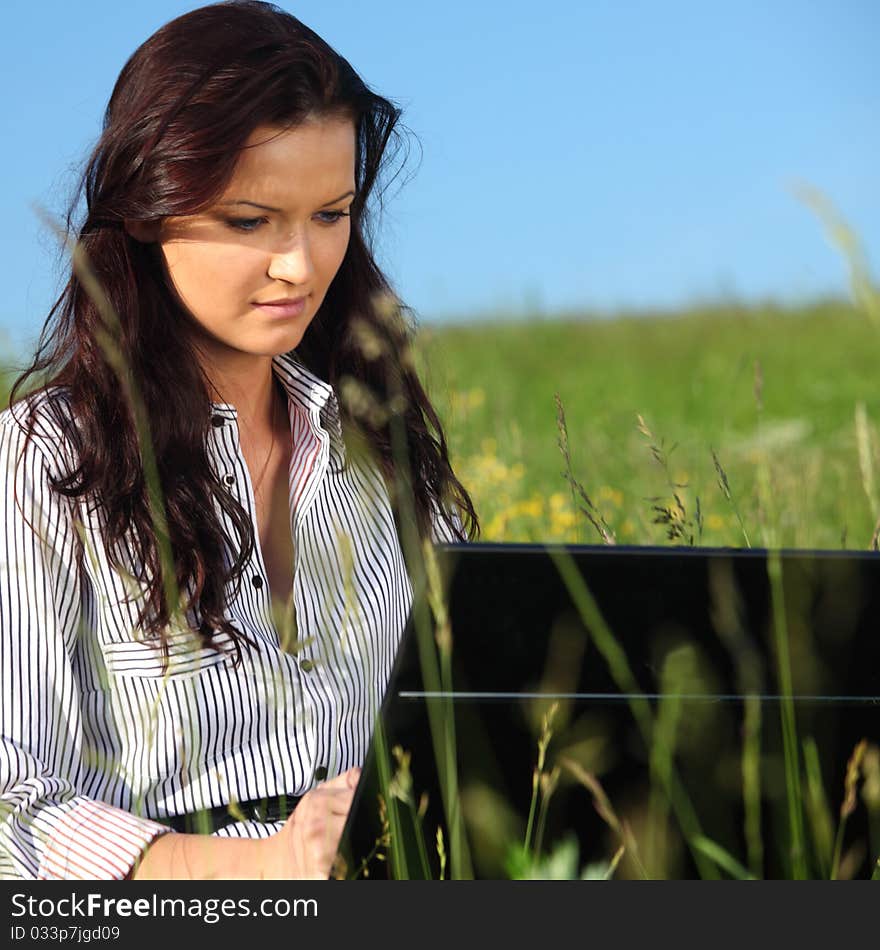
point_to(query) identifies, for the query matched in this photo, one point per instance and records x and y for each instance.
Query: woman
(202, 584)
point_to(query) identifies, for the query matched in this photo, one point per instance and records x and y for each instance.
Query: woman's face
(279, 232)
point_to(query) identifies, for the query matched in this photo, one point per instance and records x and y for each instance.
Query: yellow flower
(607, 493)
(465, 402)
(496, 529)
(533, 508)
(558, 501)
(562, 521)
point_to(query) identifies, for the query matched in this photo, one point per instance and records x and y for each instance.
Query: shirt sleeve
(48, 828)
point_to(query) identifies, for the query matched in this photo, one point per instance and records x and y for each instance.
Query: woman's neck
(246, 382)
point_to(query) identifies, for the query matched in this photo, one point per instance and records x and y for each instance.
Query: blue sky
(593, 155)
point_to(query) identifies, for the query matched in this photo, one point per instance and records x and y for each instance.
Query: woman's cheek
(220, 274)
(334, 255)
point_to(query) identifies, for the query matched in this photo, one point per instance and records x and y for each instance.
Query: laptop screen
(630, 712)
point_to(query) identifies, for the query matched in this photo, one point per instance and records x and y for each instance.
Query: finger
(341, 807)
(348, 779)
(326, 793)
(339, 801)
(325, 801)
(330, 838)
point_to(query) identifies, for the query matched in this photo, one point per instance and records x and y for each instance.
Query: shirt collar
(305, 390)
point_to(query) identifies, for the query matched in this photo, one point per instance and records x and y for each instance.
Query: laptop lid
(659, 712)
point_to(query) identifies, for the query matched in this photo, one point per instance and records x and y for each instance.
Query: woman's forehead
(302, 159)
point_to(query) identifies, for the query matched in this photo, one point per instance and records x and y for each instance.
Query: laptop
(627, 712)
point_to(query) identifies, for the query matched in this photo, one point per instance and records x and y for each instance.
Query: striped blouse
(99, 737)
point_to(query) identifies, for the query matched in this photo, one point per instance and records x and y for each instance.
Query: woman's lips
(292, 308)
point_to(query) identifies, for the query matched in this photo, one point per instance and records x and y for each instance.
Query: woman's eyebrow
(333, 202)
(254, 204)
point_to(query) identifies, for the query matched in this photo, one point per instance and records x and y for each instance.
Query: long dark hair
(182, 108)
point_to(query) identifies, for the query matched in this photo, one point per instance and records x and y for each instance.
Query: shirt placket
(233, 472)
(309, 462)
(307, 471)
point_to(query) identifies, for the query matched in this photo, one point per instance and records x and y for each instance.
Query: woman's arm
(48, 829)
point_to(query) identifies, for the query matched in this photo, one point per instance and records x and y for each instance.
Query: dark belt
(209, 820)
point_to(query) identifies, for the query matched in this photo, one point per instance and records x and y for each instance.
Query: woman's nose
(293, 264)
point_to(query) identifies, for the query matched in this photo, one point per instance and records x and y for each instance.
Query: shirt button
(306, 666)
(218, 421)
(229, 479)
(321, 773)
(257, 581)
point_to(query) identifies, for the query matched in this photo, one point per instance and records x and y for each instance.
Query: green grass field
(785, 398)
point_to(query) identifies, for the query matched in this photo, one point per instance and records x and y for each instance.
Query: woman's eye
(245, 224)
(251, 224)
(334, 216)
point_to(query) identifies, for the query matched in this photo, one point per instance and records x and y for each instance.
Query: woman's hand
(307, 844)
(304, 848)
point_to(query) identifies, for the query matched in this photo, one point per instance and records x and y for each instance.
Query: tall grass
(761, 429)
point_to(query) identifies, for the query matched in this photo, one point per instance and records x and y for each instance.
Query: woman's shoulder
(43, 422)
